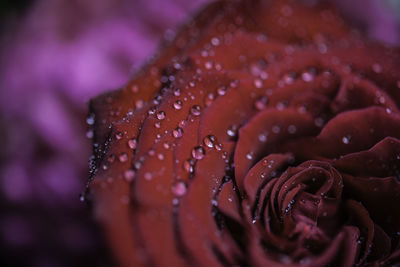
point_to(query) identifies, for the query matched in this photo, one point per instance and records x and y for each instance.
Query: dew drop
(177, 66)
(261, 103)
(258, 83)
(118, 135)
(178, 132)
(221, 90)
(139, 103)
(276, 129)
(89, 134)
(346, 140)
(209, 140)
(161, 115)
(160, 156)
(138, 165)
(215, 41)
(151, 111)
(209, 99)
(166, 145)
(198, 152)
(218, 147)
(132, 143)
(179, 189)
(188, 166)
(232, 131)
(178, 105)
(148, 176)
(195, 110)
(90, 119)
(249, 155)
(129, 175)
(177, 92)
(262, 138)
(208, 65)
(123, 157)
(307, 76)
(289, 77)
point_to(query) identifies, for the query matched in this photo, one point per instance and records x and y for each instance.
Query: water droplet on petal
(289, 77)
(218, 147)
(249, 155)
(179, 189)
(195, 110)
(261, 103)
(346, 140)
(209, 140)
(132, 143)
(258, 83)
(178, 132)
(208, 65)
(139, 103)
(161, 115)
(276, 129)
(129, 175)
(221, 90)
(148, 176)
(188, 166)
(118, 135)
(262, 137)
(90, 134)
(123, 157)
(166, 145)
(198, 152)
(178, 105)
(232, 131)
(90, 119)
(177, 92)
(138, 165)
(177, 66)
(307, 77)
(215, 41)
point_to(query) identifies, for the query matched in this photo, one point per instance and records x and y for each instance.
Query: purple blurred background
(54, 56)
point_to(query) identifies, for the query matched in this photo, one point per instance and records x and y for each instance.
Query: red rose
(266, 134)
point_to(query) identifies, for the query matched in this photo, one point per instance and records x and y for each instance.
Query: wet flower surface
(268, 134)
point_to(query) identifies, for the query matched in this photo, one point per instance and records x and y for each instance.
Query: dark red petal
(348, 132)
(275, 125)
(381, 160)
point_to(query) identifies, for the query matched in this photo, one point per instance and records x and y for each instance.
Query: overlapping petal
(257, 137)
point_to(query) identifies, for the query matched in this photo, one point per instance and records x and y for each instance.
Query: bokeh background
(54, 56)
